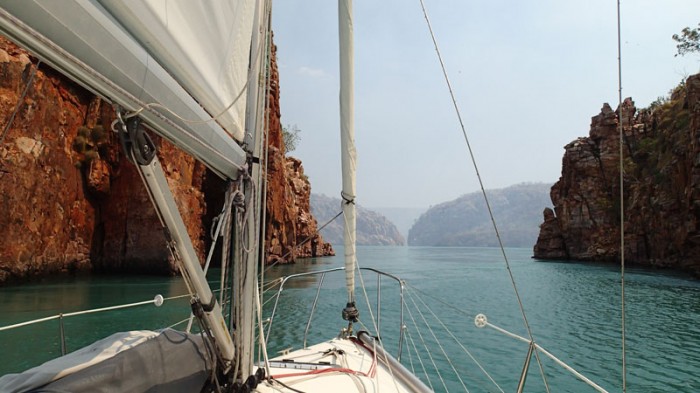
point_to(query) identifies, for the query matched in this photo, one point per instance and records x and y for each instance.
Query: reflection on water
(573, 309)
(301, 266)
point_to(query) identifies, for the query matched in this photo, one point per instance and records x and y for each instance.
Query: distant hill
(402, 217)
(373, 229)
(465, 220)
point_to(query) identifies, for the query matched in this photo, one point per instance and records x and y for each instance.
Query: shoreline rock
(661, 187)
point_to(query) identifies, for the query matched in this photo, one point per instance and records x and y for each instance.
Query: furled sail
(347, 139)
(141, 52)
(204, 45)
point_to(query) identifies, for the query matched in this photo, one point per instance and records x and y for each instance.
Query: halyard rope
(483, 191)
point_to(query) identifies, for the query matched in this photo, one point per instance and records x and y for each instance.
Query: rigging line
(364, 291)
(222, 220)
(385, 358)
(444, 303)
(251, 75)
(410, 358)
(286, 386)
(427, 350)
(437, 341)
(369, 307)
(261, 331)
(415, 348)
(483, 191)
(420, 361)
(19, 102)
(458, 343)
(307, 239)
(622, 201)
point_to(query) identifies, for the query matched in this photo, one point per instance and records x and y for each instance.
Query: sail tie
(348, 199)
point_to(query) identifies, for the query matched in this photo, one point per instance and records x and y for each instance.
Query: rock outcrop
(373, 229)
(291, 230)
(70, 200)
(661, 187)
(465, 221)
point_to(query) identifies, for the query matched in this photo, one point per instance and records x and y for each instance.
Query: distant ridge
(465, 220)
(373, 229)
(402, 217)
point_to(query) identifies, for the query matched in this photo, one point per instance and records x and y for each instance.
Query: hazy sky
(528, 76)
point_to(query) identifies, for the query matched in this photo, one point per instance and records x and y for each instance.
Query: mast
(246, 270)
(347, 146)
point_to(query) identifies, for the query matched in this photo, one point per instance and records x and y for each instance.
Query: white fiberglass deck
(339, 365)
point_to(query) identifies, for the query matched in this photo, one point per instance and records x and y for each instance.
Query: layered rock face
(291, 230)
(661, 187)
(69, 199)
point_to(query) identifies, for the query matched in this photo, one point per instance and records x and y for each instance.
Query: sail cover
(136, 361)
(347, 139)
(204, 45)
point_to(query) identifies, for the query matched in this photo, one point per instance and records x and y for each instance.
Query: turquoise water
(573, 310)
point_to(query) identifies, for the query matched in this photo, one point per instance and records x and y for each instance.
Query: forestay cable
(622, 200)
(483, 191)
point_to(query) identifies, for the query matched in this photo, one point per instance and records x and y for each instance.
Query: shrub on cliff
(290, 136)
(688, 41)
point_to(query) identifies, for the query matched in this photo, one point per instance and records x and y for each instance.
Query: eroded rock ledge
(69, 200)
(661, 187)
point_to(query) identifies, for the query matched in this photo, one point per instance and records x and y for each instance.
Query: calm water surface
(573, 310)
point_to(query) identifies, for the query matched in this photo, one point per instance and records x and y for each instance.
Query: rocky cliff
(373, 229)
(70, 200)
(291, 230)
(465, 221)
(661, 146)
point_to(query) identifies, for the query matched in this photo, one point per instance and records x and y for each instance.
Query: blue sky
(528, 76)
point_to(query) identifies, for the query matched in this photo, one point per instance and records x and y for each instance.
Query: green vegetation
(290, 136)
(88, 143)
(655, 153)
(688, 41)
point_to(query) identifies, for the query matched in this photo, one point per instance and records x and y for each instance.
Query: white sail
(84, 41)
(204, 45)
(347, 139)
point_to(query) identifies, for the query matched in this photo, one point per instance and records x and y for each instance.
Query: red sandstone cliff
(70, 200)
(661, 187)
(291, 230)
